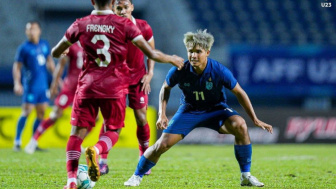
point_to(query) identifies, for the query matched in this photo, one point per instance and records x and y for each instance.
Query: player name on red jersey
(99, 28)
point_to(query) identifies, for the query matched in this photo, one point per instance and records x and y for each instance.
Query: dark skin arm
(141, 43)
(18, 88)
(162, 121)
(245, 102)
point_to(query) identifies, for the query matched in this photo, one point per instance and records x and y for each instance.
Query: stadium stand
(267, 22)
(232, 22)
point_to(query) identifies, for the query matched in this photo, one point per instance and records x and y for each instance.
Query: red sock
(42, 127)
(73, 152)
(102, 130)
(143, 134)
(106, 141)
(104, 156)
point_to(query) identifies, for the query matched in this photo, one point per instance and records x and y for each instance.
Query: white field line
(287, 158)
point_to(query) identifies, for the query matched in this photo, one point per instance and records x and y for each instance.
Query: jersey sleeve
(131, 30)
(148, 34)
(20, 54)
(72, 33)
(229, 81)
(172, 77)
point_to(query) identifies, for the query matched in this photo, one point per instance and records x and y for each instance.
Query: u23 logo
(326, 5)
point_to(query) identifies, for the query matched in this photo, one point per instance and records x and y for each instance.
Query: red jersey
(103, 37)
(135, 57)
(75, 66)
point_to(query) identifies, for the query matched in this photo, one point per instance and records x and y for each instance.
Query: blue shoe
(104, 169)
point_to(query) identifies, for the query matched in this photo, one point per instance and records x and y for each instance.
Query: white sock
(70, 180)
(82, 150)
(34, 141)
(245, 174)
(102, 161)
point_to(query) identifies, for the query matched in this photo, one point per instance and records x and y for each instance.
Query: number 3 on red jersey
(103, 51)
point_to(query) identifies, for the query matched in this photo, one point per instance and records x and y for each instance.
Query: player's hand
(146, 83)
(264, 126)
(18, 89)
(162, 122)
(178, 62)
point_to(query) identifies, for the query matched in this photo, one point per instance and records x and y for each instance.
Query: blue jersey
(33, 57)
(203, 92)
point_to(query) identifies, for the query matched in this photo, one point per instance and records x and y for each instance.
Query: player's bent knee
(241, 127)
(55, 115)
(40, 116)
(161, 147)
(25, 114)
(141, 120)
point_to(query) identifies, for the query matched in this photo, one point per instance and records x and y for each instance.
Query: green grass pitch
(184, 166)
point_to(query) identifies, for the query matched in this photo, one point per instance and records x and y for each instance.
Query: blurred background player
(203, 104)
(140, 79)
(34, 57)
(103, 81)
(65, 98)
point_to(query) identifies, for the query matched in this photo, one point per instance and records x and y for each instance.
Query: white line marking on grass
(286, 158)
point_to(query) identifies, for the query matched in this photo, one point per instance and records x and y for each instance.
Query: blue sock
(36, 124)
(143, 166)
(19, 128)
(244, 156)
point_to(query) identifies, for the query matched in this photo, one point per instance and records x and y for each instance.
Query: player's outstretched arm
(61, 48)
(245, 102)
(157, 55)
(18, 89)
(162, 121)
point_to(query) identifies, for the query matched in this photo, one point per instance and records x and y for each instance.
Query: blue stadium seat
(267, 22)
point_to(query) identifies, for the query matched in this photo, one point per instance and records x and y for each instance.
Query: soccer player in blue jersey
(203, 104)
(31, 62)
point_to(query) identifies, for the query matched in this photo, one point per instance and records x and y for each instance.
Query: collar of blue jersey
(102, 12)
(207, 69)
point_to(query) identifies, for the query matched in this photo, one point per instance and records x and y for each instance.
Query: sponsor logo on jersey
(208, 85)
(142, 100)
(41, 59)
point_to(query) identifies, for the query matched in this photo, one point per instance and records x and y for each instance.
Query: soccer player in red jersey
(140, 84)
(103, 81)
(66, 96)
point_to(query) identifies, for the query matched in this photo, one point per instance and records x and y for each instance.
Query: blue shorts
(36, 97)
(184, 122)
